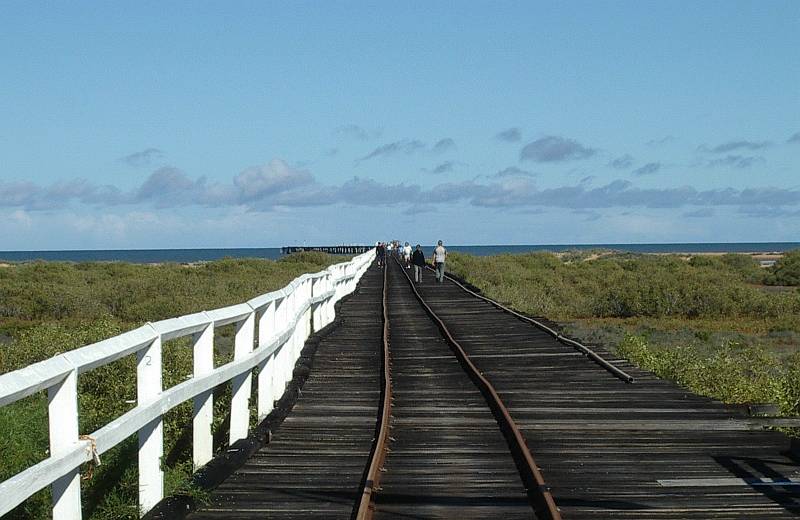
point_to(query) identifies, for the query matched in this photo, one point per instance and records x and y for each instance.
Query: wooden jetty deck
(604, 447)
(314, 463)
(334, 250)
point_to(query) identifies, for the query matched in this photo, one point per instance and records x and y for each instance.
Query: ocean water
(141, 256)
(199, 255)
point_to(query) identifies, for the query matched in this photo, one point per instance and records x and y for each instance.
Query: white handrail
(285, 319)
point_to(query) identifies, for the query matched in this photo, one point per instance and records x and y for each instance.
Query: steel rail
(365, 509)
(539, 493)
(594, 356)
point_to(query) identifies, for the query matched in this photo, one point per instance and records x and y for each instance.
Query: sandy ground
(686, 255)
(765, 259)
(758, 256)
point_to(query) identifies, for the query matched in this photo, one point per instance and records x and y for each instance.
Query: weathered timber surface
(448, 458)
(314, 463)
(604, 445)
(334, 250)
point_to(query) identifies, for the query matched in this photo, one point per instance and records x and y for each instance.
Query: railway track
(454, 451)
(420, 404)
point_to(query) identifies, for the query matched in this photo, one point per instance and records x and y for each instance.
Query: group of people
(413, 257)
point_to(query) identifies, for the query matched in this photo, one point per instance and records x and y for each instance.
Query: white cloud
(731, 146)
(622, 162)
(144, 158)
(259, 182)
(555, 149)
(276, 184)
(648, 169)
(511, 135)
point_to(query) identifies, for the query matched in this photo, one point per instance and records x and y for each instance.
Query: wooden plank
(725, 482)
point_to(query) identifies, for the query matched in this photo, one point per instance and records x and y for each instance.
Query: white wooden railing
(284, 322)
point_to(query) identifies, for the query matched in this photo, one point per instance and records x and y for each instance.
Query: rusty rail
(538, 491)
(365, 509)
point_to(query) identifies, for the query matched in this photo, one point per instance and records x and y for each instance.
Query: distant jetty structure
(334, 250)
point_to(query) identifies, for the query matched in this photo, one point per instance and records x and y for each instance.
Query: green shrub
(626, 286)
(731, 372)
(786, 270)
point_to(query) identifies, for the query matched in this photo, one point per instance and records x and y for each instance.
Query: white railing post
(279, 381)
(324, 305)
(308, 292)
(241, 386)
(292, 345)
(300, 326)
(151, 436)
(337, 277)
(348, 270)
(327, 308)
(203, 413)
(316, 318)
(291, 310)
(63, 423)
(266, 370)
(332, 287)
(304, 319)
(332, 299)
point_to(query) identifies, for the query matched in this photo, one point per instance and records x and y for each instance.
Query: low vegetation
(711, 323)
(732, 372)
(786, 270)
(50, 307)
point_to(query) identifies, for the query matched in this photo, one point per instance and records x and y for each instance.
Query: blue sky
(261, 124)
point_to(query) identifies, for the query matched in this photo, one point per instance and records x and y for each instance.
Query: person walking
(381, 253)
(407, 255)
(439, 257)
(418, 259)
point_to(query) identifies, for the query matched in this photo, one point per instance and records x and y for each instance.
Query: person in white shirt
(439, 257)
(407, 255)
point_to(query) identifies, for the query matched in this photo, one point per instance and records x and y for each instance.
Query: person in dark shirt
(380, 252)
(418, 259)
